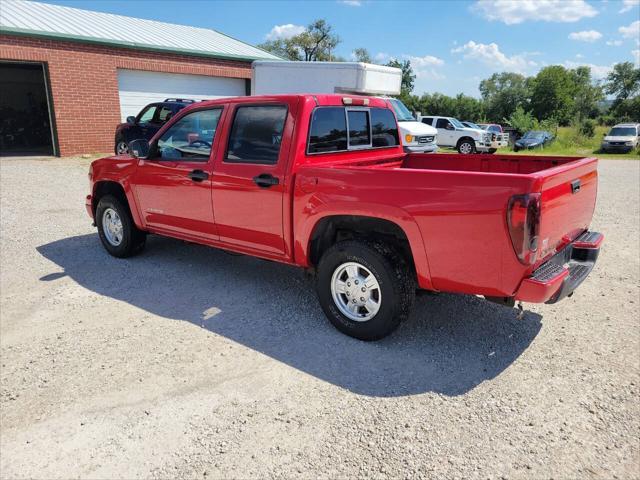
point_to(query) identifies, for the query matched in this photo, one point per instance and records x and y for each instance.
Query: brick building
(66, 85)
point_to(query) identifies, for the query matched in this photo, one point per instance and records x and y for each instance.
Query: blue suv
(145, 125)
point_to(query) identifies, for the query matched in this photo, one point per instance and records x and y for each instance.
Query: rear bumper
(558, 277)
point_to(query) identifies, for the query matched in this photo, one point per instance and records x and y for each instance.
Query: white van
(280, 77)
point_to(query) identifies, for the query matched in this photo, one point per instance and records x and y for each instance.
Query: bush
(522, 121)
(587, 128)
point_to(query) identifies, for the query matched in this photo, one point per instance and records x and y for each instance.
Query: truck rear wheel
(118, 234)
(365, 288)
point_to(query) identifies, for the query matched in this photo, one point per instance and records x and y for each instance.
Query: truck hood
(474, 131)
(417, 128)
(619, 139)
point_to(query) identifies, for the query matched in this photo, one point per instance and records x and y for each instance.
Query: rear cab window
(340, 129)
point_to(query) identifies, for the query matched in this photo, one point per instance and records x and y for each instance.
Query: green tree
(552, 95)
(502, 93)
(586, 95)
(624, 83)
(408, 77)
(315, 44)
(362, 55)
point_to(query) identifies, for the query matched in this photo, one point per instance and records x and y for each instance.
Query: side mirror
(131, 120)
(139, 148)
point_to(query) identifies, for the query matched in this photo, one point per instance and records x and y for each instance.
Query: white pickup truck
(452, 133)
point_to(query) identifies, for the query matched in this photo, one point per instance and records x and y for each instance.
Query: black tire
(466, 146)
(119, 150)
(395, 280)
(492, 150)
(132, 241)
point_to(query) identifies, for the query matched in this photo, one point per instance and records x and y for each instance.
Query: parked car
(533, 139)
(322, 182)
(270, 77)
(147, 123)
(452, 133)
(623, 137)
(498, 133)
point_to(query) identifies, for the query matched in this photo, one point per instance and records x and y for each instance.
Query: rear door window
(256, 134)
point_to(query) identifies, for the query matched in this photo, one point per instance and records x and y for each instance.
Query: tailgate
(568, 198)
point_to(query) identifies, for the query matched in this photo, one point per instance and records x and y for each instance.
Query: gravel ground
(186, 361)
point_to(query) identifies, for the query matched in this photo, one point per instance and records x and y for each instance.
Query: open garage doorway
(25, 110)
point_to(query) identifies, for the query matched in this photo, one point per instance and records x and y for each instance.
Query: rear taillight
(523, 220)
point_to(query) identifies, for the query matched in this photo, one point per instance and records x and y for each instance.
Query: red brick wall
(84, 83)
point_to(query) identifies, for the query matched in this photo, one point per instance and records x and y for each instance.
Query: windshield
(622, 132)
(534, 135)
(456, 123)
(402, 113)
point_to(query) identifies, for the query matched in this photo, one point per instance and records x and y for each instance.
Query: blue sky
(451, 44)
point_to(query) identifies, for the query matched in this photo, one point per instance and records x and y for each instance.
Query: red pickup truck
(322, 182)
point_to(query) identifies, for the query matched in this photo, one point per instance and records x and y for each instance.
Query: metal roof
(21, 17)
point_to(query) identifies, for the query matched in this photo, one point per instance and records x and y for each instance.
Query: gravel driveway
(187, 361)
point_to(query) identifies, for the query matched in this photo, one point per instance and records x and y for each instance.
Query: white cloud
(284, 31)
(381, 57)
(579, 55)
(614, 43)
(426, 61)
(351, 3)
(628, 5)
(597, 71)
(636, 56)
(632, 31)
(517, 11)
(490, 55)
(585, 36)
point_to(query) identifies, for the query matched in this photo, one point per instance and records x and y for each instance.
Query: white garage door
(138, 88)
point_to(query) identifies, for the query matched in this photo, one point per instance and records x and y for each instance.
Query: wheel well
(108, 188)
(465, 138)
(331, 230)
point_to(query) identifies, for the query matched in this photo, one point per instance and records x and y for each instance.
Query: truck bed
(459, 204)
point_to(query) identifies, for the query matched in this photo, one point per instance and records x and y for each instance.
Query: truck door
(173, 185)
(445, 132)
(250, 176)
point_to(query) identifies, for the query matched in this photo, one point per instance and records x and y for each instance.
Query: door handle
(265, 180)
(198, 175)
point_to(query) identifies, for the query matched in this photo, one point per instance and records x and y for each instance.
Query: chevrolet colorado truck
(323, 182)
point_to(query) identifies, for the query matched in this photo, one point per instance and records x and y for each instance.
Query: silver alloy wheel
(122, 148)
(356, 292)
(112, 227)
(466, 147)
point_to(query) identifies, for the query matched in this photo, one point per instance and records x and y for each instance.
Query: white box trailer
(281, 77)
(273, 77)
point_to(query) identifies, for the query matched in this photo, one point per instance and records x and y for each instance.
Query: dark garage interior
(25, 120)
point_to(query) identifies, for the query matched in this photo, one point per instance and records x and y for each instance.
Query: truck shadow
(451, 343)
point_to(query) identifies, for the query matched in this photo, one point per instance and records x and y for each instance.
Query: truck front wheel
(365, 288)
(118, 234)
(466, 146)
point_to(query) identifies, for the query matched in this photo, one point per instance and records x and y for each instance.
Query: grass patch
(570, 143)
